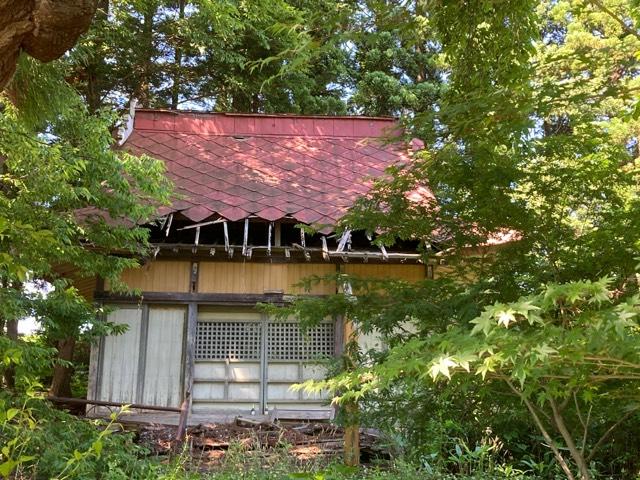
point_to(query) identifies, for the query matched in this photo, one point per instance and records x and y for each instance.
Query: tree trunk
(552, 445)
(576, 454)
(143, 90)
(61, 382)
(94, 79)
(10, 372)
(175, 88)
(44, 29)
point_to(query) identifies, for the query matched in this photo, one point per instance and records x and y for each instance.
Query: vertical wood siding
(160, 276)
(86, 287)
(410, 273)
(221, 277)
(163, 361)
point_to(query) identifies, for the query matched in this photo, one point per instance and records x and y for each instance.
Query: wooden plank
(104, 403)
(324, 414)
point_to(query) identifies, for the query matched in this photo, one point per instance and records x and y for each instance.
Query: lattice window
(233, 340)
(285, 341)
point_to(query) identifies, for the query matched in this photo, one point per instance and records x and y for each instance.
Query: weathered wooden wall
(255, 278)
(163, 370)
(147, 364)
(409, 272)
(144, 364)
(119, 358)
(160, 276)
(86, 286)
(221, 277)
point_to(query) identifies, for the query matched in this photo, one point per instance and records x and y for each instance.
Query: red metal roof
(308, 168)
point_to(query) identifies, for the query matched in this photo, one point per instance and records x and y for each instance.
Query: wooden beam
(278, 235)
(178, 251)
(199, 298)
(197, 236)
(352, 435)
(346, 236)
(325, 249)
(101, 403)
(226, 236)
(245, 238)
(194, 276)
(303, 241)
(169, 225)
(201, 224)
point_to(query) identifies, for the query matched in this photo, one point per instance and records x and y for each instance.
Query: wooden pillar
(190, 358)
(352, 435)
(351, 410)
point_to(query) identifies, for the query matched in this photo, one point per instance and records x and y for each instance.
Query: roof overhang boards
(272, 247)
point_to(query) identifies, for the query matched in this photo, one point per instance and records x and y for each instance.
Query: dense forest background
(529, 115)
(331, 58)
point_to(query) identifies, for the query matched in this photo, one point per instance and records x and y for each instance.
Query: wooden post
(184, 417)
(351, 435)
(192, 325)
(351, 410)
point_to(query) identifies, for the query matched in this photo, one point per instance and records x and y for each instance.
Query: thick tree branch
(568, 440)
(45, 29)
(608, 433)
(552, 444)
(603, 8)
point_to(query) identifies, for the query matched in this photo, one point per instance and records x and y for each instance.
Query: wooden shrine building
(231, 239)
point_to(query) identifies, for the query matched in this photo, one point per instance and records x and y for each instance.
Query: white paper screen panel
(163, 365)
(120, 353)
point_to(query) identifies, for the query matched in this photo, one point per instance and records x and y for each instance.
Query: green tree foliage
(327, 57)
(223, 56)
(70, 204)
(533, 141)
(397, 69)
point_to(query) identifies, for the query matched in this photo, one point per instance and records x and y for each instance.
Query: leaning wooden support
(184, 417)
(102, 403)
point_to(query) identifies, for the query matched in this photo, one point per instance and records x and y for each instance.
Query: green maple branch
(603, 8)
